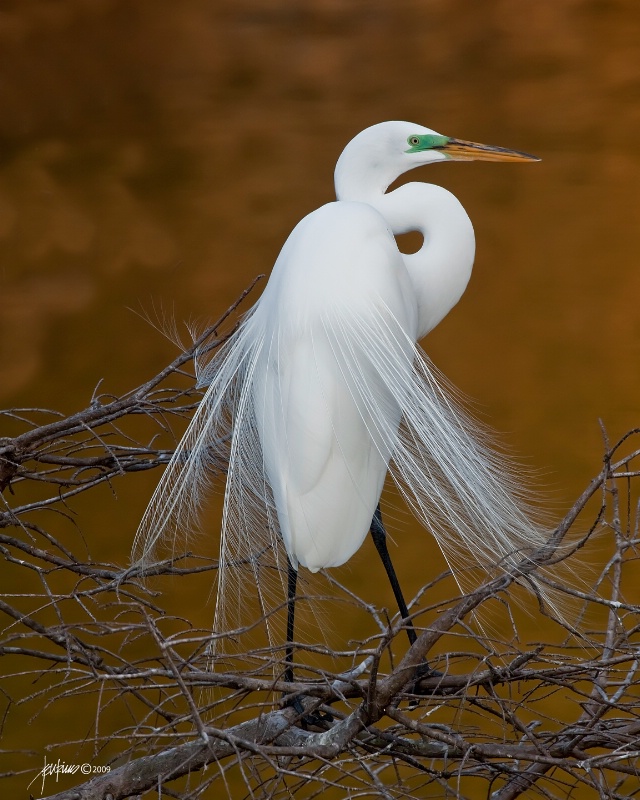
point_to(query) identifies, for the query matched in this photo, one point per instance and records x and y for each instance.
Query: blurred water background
(156, 155)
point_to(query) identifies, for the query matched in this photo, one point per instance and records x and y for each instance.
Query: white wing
(326, 418)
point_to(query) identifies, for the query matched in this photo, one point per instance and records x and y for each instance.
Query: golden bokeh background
(155, 155)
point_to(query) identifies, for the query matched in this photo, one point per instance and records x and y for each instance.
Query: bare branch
(501, 717)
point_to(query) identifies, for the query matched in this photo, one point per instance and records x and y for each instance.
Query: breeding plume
(323, 390)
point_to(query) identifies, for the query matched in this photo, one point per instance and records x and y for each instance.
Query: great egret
(322, 390)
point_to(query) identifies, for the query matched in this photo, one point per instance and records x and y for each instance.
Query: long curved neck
(441, 268)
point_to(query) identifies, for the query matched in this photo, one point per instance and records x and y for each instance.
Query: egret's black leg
(316, 717)
(379, 536)
(292, 582)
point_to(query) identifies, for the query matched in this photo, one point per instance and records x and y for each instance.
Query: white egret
(322, 390)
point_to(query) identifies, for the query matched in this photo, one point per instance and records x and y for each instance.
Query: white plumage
(323, 389)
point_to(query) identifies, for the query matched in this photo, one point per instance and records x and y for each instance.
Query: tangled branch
(500, 717)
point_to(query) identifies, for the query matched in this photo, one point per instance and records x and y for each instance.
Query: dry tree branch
(503, 718)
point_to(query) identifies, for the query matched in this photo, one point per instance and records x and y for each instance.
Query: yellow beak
(459, 150)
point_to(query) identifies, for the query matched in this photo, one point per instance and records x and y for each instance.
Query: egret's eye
(414, 141)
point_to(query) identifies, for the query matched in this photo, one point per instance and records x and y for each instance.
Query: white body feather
(319, 431)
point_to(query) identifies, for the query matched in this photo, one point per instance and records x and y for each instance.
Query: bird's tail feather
(462, 489)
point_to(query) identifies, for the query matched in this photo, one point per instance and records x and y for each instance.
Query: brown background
(156, 154)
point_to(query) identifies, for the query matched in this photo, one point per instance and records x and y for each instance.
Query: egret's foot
(423, 671)
(309, 720)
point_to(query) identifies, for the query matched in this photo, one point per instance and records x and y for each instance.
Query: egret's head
(379, 154)
(433, 146)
